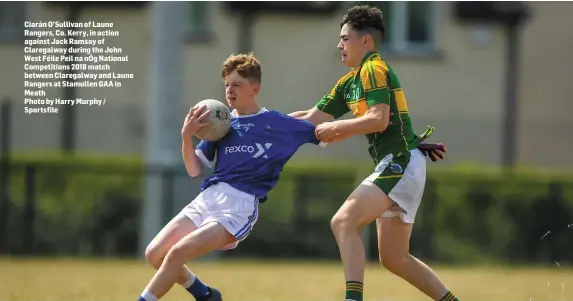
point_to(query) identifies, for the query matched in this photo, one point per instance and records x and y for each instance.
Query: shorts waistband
(234, 191)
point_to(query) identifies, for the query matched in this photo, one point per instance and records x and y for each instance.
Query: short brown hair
(246, 65)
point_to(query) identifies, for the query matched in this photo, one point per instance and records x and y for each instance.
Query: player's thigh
(209, 237)
(366, 203)
(179, 227)
(393, 238)
(402, 179)
(235, 210)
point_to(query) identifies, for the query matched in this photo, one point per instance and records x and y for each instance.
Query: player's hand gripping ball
(216, 124)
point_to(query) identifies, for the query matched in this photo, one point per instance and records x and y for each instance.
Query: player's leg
(180, 226)
(232, 215)
(403, 180)
(174, 231)
(394, 250)
(209, 237)
(363, 206)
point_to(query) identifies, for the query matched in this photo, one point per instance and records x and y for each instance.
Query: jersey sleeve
(302, 131)
(206, 151)
(333, 103)
(374, 78)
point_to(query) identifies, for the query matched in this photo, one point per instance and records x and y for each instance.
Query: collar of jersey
(234, 113)
(366, 58)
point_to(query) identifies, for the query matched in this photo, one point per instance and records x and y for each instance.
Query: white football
(219, 117)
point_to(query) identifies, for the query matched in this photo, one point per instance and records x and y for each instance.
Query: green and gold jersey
(372, 83)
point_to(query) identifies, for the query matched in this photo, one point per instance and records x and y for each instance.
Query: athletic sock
(197, 288)
(449, 297)
(147, 296)
(354, 290)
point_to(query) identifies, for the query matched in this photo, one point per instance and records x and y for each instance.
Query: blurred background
(492, 77)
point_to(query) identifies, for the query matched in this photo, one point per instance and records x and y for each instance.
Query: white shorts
(403, 181)
(235, 210)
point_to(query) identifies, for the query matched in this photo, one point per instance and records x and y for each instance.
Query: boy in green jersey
(392, 194)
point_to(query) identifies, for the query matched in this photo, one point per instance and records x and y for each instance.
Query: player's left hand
(434, 151)
(325, 131)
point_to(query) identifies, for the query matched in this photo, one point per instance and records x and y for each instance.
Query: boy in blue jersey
(249, 160)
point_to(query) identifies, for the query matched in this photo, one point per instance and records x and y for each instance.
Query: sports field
(84, 280)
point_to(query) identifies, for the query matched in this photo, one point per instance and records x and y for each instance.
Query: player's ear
(256, 88)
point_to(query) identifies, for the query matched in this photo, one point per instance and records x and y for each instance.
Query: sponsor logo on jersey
(258, 150)
(395, 168)
(245, 126)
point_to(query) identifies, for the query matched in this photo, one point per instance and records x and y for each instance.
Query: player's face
(239, 91)
(351, 46)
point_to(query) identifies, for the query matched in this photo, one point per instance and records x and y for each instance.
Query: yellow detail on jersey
(400, 98)
(389, 177)
(358, 107)
(332, 93)
(374, 75)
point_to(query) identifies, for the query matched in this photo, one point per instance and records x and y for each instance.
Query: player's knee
(341, 222)
(154, 255)
(177, 255)
(393, 261)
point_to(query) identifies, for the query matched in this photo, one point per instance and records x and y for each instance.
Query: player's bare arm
(192, 164)
(376, 119)
(191, 125)
(314, 116)
(299, 114)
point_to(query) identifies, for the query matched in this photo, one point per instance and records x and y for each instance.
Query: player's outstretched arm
(299, 114)
(376, 119)
(314, 116)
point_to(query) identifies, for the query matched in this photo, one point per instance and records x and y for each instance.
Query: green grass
(119, 280)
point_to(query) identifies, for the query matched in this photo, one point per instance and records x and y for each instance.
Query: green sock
(449, 297)
(354, 290)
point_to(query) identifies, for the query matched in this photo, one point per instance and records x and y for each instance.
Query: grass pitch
(115, 280)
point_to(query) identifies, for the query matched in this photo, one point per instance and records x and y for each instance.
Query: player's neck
(365, 53)
(252, 110)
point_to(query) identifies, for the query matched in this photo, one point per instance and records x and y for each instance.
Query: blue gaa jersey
(252, 155)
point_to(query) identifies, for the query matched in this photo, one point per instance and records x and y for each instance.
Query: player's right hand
(193, 123)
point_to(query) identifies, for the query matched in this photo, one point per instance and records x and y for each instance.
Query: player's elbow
(194, 172)
(379, 122)
(193, 168)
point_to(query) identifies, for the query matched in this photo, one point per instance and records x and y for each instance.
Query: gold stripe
(354, 285)
(365, 78)
(358, 109)
(380, 77)
(359, 289)
(371, 76)
(400, 99)
(390, 177)
(449, 297)
(359, 100)
(374, 89)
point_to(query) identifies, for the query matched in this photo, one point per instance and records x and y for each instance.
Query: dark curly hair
(366, 19)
